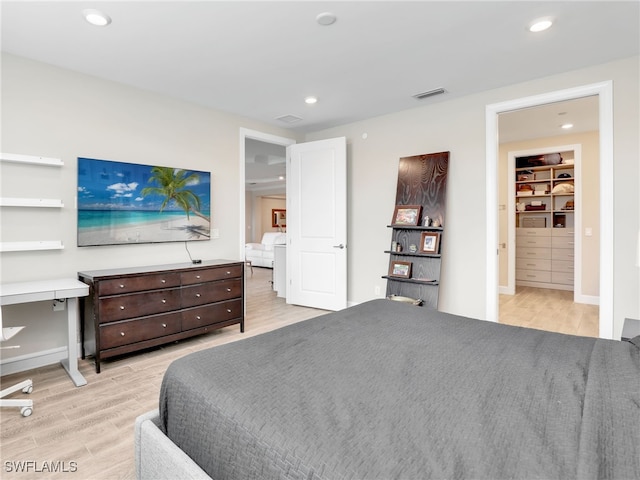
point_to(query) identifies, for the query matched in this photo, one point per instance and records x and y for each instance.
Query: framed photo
(400, 269)
(278, 217)
(407, 215)
(430, 242)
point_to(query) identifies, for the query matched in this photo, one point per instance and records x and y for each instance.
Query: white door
(317, 224)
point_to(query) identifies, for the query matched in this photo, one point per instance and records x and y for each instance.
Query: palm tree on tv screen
(172, 186)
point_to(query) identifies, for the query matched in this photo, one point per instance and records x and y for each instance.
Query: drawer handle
(121, 286)
(197, 317)
(198, 295)
(164, 325)
(228, 273)
(163, 281)
(228, 289)
(198, 277)
(122, 334)
(228, 310)
(531, 264)
(121, 307)
(531, 253)
(531, 242)
(164, 301)
(531, 276)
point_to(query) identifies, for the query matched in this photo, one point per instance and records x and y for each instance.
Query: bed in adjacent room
(388, 390)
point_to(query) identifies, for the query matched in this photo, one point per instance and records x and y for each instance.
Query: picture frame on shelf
(407, 215)
(430, 242)
(400, 269)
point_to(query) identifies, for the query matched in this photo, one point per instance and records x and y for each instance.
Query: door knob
(341, 246)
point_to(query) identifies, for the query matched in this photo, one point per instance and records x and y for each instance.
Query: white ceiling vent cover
(430, 93)
(289, 119)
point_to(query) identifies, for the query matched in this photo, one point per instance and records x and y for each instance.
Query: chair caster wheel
(28, 389)
(26, 411)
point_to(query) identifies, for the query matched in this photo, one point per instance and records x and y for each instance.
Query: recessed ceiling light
(567, 126)
(540, 25)
(96, 17)
(326, 18)
(311, 100)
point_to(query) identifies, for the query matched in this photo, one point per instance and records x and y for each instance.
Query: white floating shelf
(27, 246)
(19, 158)
(31, 202)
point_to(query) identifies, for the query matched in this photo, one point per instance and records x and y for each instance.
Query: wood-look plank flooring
(92, 426)
(552, 310)
(87, 432)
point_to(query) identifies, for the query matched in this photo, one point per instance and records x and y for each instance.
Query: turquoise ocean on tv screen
(115, 218)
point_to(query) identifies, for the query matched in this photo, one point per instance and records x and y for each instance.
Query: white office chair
(26, 406)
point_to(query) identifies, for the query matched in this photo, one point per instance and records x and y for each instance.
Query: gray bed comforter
(386, 390)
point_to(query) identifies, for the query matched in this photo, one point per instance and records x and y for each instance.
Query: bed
(388, 390)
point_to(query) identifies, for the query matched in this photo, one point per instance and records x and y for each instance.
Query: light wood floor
(551, 310)
(93, 425)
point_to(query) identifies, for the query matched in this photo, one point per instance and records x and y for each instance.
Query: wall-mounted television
(125, 203)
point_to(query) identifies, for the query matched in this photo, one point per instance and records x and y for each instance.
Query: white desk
(69, 288)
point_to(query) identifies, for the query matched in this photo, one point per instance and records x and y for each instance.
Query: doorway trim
(246, 133)
(604, 90)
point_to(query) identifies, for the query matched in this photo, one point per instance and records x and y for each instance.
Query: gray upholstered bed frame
(157, 457)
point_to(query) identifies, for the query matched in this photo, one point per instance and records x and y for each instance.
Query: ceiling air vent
(430, 93)
(289, 119)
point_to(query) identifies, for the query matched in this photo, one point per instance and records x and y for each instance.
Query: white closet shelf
(19, 158)
(31, 202)
(27, 246)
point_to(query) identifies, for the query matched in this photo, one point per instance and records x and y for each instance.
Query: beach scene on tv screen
(122, 203)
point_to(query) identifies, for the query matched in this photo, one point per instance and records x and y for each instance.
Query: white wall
(48, 111)
(459, 127)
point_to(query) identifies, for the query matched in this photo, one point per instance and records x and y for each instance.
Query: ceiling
(260, 59)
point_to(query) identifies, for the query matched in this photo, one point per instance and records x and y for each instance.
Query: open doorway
(603, 91)
(265, 188)
(262, 163)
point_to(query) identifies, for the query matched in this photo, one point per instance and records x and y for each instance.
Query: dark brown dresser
(130, 309)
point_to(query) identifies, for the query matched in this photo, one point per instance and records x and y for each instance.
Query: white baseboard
(588, 299)
(504, 290)
(30, 361)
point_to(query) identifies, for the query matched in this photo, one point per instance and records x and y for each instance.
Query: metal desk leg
(70, 364)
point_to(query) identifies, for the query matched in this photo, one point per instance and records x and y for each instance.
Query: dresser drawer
(562, 232)
(562, 242)
(140, 329)
(562, 278)
(562, 254)
(204, 293)
(138, 283)
(533, 264)
(533, 232)
(211, 274)
(538, 242)
(533, 276)
(563, 266)
(532, 252)
(209, 314)
(119, 307)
